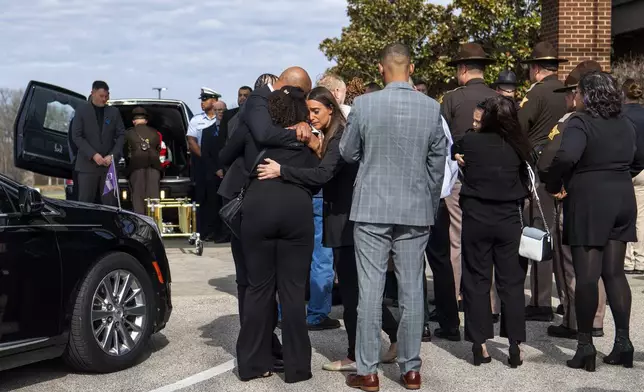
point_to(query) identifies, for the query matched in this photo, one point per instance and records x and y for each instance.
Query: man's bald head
(296, 77)
(395, 63)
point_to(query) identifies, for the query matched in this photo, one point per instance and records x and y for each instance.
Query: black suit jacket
(211, 144)
(337, 178)
(223, 127)
(91, 140)
(239, 153)
(258, 120)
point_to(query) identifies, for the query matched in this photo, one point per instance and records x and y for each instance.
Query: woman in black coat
(492, 197)
(592, 173)
(337, 178)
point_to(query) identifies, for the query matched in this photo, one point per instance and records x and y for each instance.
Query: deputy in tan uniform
(143, 163)
(457, 107)
(539, 112)
(562, 263)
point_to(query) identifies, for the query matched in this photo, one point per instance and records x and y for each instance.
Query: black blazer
(211, 145)
(223, 127)
(240, 150)
(258, 120)
(337, 178)
(91, 140)
(493, 170)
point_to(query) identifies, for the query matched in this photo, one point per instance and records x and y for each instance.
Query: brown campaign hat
(583, 68)
(139, 112)
(544, 51)
(470, 52)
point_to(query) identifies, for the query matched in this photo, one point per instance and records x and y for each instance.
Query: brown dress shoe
(411, 380)
(369, 383)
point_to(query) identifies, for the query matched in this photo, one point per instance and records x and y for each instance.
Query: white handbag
(535, 243)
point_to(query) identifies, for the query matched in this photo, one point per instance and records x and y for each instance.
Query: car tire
(83, 352)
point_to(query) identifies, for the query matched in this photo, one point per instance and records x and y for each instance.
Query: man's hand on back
(303, 132)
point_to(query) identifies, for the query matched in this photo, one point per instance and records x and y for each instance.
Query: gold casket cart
(186, 226)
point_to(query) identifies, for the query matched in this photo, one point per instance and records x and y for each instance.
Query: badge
(107, 121)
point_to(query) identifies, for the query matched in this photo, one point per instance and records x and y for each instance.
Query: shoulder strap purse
(535, 244)
(231, 212)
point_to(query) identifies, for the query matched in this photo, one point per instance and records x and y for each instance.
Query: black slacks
(490, 238)
(277, 238)
(241, 278)
(90, 188)
(438, 258)
(345, 261)
(208, 221)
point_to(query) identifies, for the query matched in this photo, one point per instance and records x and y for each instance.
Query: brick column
(579, 29)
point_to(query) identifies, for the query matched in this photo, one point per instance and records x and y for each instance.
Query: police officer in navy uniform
(539, 112)
(198, 171)
(457, 107)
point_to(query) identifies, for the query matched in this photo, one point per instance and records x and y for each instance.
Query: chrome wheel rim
(119, 313)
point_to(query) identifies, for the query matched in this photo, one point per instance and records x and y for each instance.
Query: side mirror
(30, 201)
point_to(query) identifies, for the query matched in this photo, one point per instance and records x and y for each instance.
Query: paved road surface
(195, 352)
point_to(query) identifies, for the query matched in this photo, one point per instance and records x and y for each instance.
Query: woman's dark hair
(324, 96)
(287, 106)
(633, 90)
(500, 116)
(602, 97)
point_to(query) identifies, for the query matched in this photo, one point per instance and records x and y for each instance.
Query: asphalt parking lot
(196, 350)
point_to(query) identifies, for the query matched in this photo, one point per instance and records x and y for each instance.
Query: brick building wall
(579, 29)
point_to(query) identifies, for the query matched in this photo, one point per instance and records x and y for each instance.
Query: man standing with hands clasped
(98, 132)
(397, 136)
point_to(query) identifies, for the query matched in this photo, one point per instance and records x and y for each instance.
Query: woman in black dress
(592, 173)
(277, 237)
(337, 176)
(492, 196)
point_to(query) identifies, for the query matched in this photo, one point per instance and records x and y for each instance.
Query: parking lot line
(199, 377)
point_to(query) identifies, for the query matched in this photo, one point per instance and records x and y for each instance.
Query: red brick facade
(580, 29)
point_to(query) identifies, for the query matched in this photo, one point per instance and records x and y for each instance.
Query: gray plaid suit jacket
(397, 136)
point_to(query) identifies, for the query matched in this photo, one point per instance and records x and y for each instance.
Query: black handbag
(231, 212)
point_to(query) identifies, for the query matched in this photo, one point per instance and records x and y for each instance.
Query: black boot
(585, 355)
(622, 353)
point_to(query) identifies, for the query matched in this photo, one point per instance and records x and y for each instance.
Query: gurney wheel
(193, 239)
(199, 247)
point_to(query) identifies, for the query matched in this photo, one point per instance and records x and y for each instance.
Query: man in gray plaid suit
(397, 136)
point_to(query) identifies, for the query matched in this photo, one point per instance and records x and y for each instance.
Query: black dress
(277, 238)
(593, 165)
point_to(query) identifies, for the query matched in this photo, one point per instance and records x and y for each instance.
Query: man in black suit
(98, 133)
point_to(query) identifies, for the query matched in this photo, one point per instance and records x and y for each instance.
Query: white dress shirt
(198, 123)
(451, 167)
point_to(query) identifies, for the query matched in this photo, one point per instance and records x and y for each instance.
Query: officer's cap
(207, 93)
(583, 68)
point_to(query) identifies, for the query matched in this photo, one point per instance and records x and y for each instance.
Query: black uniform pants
(438, 258)
(490, 240)
(241, 278)
(278, 246)
(209, 223)
(346, 267)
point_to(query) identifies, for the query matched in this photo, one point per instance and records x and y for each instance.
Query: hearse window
(6, 205)
(58, 116)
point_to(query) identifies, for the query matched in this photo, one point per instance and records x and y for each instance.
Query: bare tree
(9, 104)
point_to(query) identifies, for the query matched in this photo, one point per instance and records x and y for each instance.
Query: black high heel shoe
(586, 354)
(477, 351)
(515, 355)
(622, 353)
